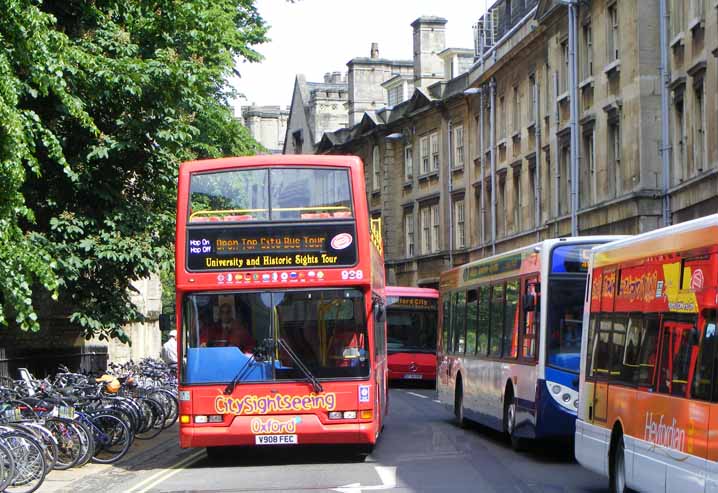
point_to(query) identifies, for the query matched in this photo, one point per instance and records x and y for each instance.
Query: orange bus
(280, 296)
(411, 320)
(648, 413)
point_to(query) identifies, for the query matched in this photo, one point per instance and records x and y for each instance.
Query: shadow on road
(412, 384)
(276, 456)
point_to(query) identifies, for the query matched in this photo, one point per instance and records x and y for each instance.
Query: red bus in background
(280, 303)
(412, 315)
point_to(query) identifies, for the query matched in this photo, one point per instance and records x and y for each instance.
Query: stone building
(267, 125)
(317, 107)
(481, 162)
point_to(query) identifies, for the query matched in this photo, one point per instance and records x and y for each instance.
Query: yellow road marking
(158, 477)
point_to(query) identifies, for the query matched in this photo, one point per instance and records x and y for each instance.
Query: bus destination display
(262, 247)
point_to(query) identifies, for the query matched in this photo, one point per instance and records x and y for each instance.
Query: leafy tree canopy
(99, 103)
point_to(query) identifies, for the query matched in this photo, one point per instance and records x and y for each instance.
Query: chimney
(336, 77)
(375, 50)
(327, 78)
(429, 41)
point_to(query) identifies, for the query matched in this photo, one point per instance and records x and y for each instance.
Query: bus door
(682, 417)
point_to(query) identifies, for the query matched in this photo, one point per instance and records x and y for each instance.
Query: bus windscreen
(411, 325)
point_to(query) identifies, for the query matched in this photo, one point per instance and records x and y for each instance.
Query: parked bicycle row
(70, 419)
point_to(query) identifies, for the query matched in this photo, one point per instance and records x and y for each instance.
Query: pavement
(420, 450)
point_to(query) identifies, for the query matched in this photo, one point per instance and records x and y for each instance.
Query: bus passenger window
(647, 356)
(497, 320)
(471, 315)
(601, 349)
(511, 320)
(705, 372)
(482, 335)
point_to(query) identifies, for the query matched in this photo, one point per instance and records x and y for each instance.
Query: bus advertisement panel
(411, 333)
(648, 378)
(280, 296)
(510, 338)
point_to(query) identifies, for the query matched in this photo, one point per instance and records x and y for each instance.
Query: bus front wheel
(510, 421)
(459, 404)
(617, 465)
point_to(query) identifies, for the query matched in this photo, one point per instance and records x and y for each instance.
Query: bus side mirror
(379, 310)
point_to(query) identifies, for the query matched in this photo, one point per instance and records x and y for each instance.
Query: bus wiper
(259, 354)
(316, 385)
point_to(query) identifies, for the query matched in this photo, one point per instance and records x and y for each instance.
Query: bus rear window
(270, 194)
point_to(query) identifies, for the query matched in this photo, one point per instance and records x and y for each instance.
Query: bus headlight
(566, 397)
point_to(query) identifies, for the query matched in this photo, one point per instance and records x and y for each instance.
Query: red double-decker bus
(280, 296)
(412, 316)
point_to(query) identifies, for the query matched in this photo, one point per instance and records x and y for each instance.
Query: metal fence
(43, 362)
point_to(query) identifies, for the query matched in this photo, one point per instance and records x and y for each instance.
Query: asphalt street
(420, 450)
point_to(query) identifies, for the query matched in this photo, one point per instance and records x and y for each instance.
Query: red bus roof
(273, 159)
(411, 292)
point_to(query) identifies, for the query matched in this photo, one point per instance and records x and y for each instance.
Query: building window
(676, 13)
(501, 207)
(394, 95)
(699, 132)
(587, 177)
(518, 201)
(458, 147)
(435, 225)
(424, 144)
(565, 60)
(679, 137)
(375, 170)
(459, 229)
(409, 234)
(587, 51)
(408, 163)
(615, 170)
(515, 118)
(434, 138)
(531, 110)
(613, 39)
(425, 230)
(502, 118)
(564, 197)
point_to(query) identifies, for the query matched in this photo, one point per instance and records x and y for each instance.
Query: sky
(318, 36)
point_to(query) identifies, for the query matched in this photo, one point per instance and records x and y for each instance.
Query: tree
(102, 101)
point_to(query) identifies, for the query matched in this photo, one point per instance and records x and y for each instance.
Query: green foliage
(99, 102)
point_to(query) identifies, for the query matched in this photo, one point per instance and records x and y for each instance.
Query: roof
(410, 291)
(429, 19)
(380, 61)
(683, 237)
(265, 159)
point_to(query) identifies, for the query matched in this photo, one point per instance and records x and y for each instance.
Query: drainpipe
(450, 200)
(492, 150)
(557, 161)
(482, 195)
(537, 151)
(573, 96)
(666, 147)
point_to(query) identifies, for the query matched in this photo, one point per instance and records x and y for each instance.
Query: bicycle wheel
(69, 443)
(46, 440)
(112, 438)
(156, 421)
(169, 404)
(87, 441)
(7, 466)
(29, 461)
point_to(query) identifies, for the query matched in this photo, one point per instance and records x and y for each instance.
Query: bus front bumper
(309, 431)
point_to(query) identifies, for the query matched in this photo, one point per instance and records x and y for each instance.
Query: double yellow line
(165, 474)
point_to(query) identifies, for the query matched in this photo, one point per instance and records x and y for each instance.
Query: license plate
(413, 376)
(276, 439)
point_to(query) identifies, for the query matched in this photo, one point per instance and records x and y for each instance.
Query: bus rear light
(216, 418)
(184, 395)
(365, 414)
(350, 415)
(184, 419)
(200, 419)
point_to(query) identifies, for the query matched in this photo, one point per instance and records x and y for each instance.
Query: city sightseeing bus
(648, 413)
(411, 319)
(510, 338)
(280, 296)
